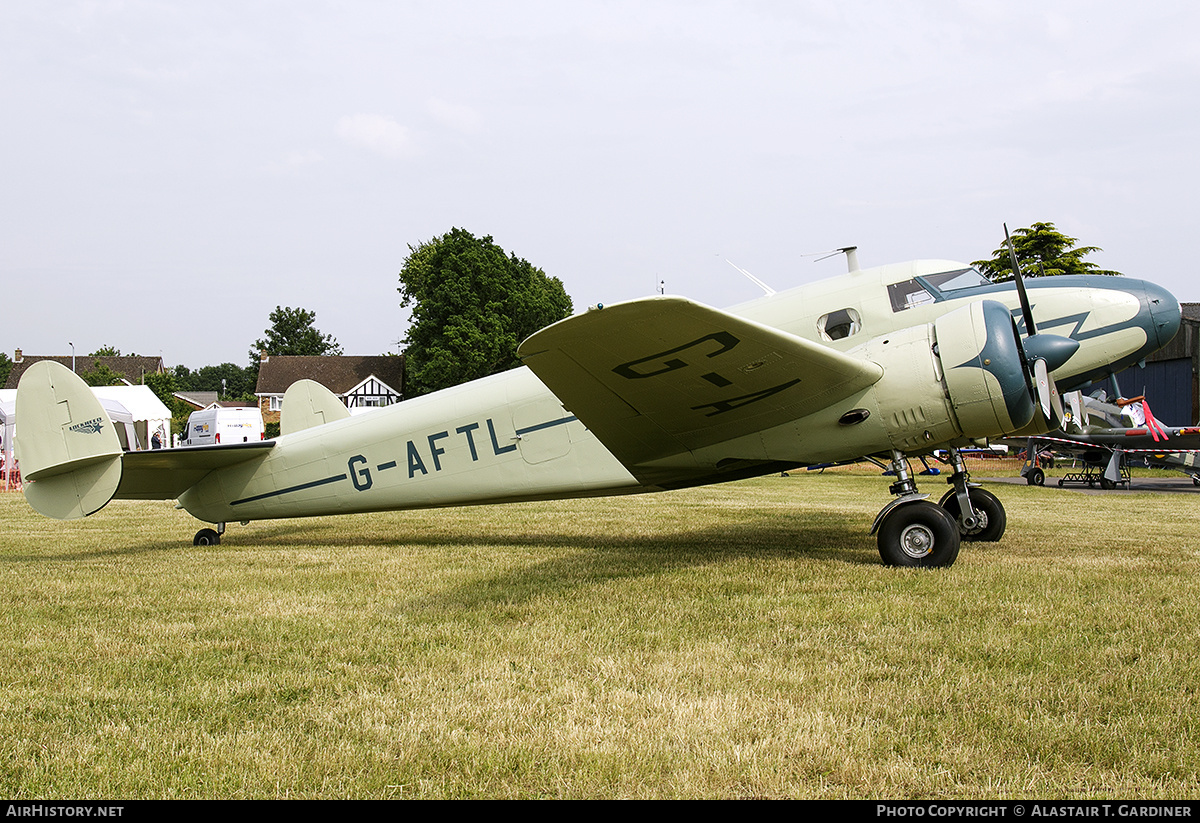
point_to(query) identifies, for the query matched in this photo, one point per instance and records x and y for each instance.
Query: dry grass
(733, 641)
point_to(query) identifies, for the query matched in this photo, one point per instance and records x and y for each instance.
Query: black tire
(992, 518)
(1036, 477)
(206, 537)
(1107, 484)
(920, 534)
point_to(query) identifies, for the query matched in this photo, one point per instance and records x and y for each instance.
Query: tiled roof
(131, 368)
(338, 374)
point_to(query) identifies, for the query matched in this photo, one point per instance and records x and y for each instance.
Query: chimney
(17, 357)
(263, 357)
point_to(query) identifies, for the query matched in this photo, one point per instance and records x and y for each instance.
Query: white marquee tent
(136, 413)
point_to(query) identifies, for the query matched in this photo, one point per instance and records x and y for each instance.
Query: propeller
(1043, 353)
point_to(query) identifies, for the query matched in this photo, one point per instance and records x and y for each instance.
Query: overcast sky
(173, 171)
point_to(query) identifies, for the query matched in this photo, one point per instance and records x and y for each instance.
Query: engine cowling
(984, 369)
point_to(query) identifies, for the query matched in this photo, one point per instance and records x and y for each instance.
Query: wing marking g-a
(664, 375)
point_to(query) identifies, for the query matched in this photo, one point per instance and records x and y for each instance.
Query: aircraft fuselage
(509, 438)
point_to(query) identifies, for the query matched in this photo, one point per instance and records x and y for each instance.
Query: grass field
(731, 641)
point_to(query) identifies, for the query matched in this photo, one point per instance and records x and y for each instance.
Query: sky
(174, 171)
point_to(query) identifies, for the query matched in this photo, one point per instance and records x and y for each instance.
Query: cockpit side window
(839, 324)
(908, 294)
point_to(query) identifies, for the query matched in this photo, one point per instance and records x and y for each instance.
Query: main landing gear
(912, 531)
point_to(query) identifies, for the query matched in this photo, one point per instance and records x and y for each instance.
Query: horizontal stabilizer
(306, 404)
(165, 474)
(69, 451)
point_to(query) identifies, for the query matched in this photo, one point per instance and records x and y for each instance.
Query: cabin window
(839, 324)
(908, 294)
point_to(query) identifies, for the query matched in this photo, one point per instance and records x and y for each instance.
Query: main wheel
(1036, 477)
(989, 510)
(919, 534)
(206, 537)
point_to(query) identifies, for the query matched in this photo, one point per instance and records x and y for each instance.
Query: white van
(209, 427)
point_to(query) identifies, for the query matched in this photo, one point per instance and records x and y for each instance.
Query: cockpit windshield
(955, 280)
(931, 288)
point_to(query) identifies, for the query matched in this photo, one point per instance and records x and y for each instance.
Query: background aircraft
(656, 394)
(1104, 434)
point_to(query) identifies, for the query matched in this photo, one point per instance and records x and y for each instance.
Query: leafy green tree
(6, 365)
(292, 333)
(106, 351)
(230, 381)
(472, 304)
(1042, 250)
(102, 375)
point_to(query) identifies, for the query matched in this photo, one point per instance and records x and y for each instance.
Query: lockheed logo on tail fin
(92, 426)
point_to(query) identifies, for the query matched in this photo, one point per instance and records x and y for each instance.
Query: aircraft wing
(164, 474)
(1161, 440)
(663, 376)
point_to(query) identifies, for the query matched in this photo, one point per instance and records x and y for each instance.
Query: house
(131, 369)
(359, 381)
(197, 400)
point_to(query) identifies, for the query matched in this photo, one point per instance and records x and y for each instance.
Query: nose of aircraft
(1164, 311)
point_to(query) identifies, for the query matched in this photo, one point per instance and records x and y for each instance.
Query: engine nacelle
(984, 370)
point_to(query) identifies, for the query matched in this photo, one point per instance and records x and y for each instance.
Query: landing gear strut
(209, 537)
(979, 513)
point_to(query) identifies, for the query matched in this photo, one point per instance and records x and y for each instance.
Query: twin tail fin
(68, 448)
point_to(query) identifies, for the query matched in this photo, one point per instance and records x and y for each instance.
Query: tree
(292, 332)
(230, 381)
(472, 304)
(1041, 250)
(102, 375)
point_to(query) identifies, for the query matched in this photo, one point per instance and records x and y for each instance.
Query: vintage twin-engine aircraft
(655, 394)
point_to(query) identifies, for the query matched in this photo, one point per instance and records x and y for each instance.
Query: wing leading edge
(661, 376)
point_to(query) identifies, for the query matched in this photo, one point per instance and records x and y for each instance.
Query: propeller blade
(1057, 404)
(1042, 379)
(1078, 409)
(1026, 309)
(1047, 394)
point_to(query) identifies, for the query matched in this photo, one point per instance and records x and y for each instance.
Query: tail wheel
(989, 510)
(206, 537)
(919, 534)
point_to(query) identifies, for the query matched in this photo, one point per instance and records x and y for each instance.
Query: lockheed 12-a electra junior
(654, 394)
